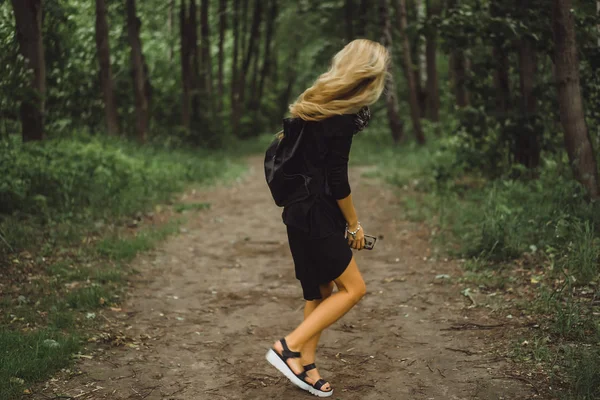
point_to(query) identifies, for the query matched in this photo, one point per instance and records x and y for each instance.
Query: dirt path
(207, 305)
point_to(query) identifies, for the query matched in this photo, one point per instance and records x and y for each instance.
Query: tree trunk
(252, 45)
(266, 68)
(577, 138)
(28, 20)
(410, 76)
(349, 14)
(194, 58)
(222, 30)
(234, 67)
(433, 89)
(363, 18)
(171, 52)
(205, 45)
(421, 43)
(458, 70)
(501, 78)
(106, 80)
(458, 64)
(393, 111)
(139, 77)
(527, 146)
(185, 69)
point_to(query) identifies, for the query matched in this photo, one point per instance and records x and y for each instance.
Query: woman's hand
(356, 241)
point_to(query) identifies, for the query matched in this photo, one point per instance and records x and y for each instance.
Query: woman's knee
(359, 290)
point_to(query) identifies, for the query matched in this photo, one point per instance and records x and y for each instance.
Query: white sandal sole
(320, 393)
(274, 359)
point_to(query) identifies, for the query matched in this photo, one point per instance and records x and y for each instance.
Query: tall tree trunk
(577, 138)
(222, 30)
(106, 79)
(393, 111)
(186, 64)
(194, 54)
(349, 14)
(266, 67)
(421, 44)
(410, 76)
(433, 89)
(363, 18)
(250, 51)
(292, 75)
(234, 67)
(527, 146)
(170, 17)
(28, 20)
(501, 78)
(205, 45)
(458, 69)
(139, 77)
(458, 63)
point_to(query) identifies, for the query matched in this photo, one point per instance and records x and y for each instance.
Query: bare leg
(310, 348)
(351, 288)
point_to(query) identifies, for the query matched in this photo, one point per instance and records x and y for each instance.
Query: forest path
(206, 306)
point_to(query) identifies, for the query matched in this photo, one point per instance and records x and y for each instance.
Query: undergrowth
(543, 223)
(73, 212)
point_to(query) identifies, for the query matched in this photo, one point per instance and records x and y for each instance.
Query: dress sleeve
(337, 173)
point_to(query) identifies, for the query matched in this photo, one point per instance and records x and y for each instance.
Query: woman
(323, 228)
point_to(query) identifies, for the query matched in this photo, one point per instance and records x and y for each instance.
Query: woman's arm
(340, 188)
(347, 207)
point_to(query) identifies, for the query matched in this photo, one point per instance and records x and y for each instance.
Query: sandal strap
(287, 353)
(319, 385)
(310, 367)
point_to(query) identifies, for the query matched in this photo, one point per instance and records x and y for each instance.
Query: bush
(87, 178)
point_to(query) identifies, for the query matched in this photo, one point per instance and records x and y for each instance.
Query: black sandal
(317, 387)
(280, 362)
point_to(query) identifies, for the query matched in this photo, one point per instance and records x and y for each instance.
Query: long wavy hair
(356, 79)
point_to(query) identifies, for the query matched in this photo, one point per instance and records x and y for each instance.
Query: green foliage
(85, 178)
(29, 357)
(126, 248)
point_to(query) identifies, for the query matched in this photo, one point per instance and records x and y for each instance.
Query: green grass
(493, 223)
(29, 357)
(65, 206)
(126, 247)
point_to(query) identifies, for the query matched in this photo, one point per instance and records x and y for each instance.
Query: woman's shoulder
(338, 125)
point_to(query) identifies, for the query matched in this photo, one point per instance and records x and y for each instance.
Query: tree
(235, 66)
(433, 90)
(140, 86)
(501, 77)
(170, 18)
(206, 73)
(106, 79)
(577, 139)
(222, 30)
(527, 147)
(458, 69)
(408, 71)
(393, 111)
(28, 20)
(363, 20)
(349, 14)
(267, 61)
(186, 114)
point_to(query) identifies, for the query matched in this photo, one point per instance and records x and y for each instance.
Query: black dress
(316, 226)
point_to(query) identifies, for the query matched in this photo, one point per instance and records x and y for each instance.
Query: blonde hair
(356, 78)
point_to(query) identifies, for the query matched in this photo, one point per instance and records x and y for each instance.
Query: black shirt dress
(316, 226)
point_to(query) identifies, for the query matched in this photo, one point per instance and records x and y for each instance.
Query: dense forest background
(491, 115)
